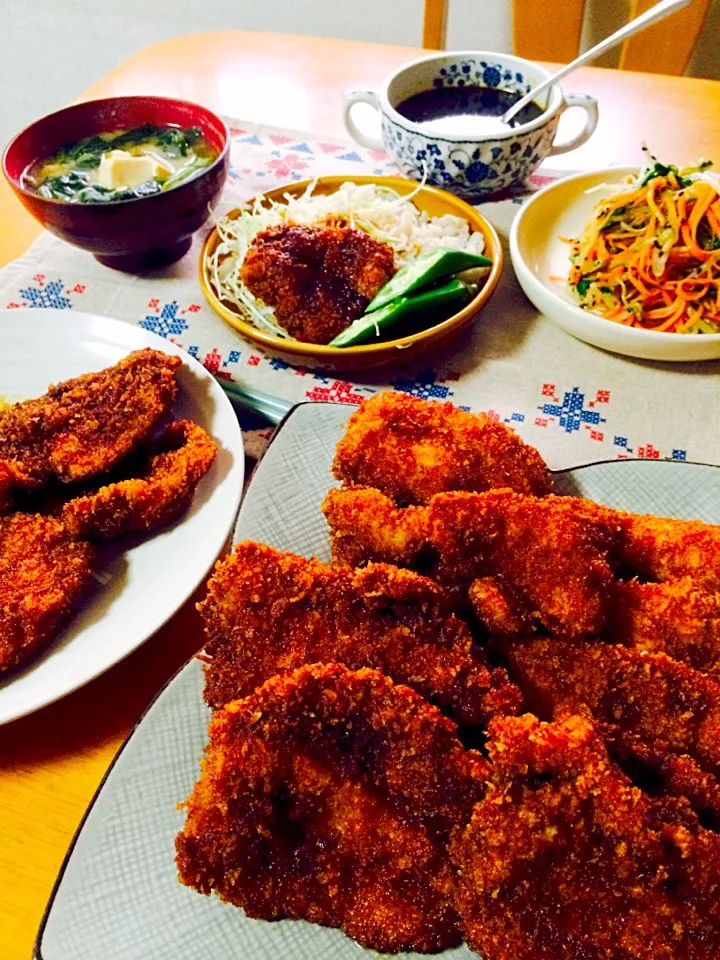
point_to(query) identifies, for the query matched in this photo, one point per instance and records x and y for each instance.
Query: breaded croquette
(411, 449)
(564, 859)
(162, 491)
(330, 795)
(268, 612)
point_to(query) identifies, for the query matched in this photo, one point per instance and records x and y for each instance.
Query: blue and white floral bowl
(475, 167)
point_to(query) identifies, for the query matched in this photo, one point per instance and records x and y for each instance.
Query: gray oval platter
(117, 896)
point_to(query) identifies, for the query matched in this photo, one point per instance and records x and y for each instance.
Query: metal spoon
(658, 12)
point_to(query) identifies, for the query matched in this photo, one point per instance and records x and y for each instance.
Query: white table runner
(577, 404)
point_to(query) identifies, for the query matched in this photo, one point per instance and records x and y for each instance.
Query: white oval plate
(561, 210)
(150, 578)
(118, 895)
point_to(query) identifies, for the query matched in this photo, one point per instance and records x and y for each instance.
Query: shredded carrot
(650, 255)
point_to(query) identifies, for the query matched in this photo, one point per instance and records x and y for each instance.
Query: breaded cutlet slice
(547, 562)
(674, 617)
(367, 526)
(659, 715)
(662, 549)
(85, 426)
(565, 859)
(268, 612)
(160, 492)
(411, 449)
(42, 574)
(330, 795)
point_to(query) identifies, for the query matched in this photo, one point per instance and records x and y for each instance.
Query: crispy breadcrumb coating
(367, 526)
(268, 612)
(11, 479)
(564, 859)
(661, 715)
(318, 278)
(550, 566)
(330, 795)
(163, 490)
(673, 618)
(553, 565)
(661, 549)
(411, 449)
(85, 426)
(42, 574)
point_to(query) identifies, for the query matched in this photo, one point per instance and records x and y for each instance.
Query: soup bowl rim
(554, 107)
(17, 184)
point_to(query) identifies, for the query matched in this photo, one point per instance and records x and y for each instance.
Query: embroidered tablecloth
(577, 404)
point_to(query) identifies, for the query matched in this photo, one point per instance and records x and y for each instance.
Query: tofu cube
(118, 169)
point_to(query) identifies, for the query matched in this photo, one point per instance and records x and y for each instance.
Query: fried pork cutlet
(411, 449)
(542, 563)
(565, 859)
(673, 618)
(85, 426)
(660, 549)
(269, 612)
(10, 479)
(318, 278)
(658, 714)
(168, 479)
(367, 526)
(42, 574)
(330, 795)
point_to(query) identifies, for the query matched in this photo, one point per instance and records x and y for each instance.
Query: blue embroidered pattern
(424, 386)
(49, 295)
(167, 323)
(571, 413)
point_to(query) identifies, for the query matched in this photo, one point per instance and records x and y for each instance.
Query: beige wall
(51, 50)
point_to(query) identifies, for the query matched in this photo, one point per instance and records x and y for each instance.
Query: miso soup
(122, 165)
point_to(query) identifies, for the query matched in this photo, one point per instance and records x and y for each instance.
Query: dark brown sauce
(467, 111)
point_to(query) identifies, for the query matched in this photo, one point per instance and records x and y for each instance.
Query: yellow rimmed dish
(435, 203)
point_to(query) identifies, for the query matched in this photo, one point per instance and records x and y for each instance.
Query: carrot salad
(650, 255)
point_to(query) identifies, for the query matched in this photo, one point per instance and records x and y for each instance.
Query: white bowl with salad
(627, 259)
(351, 273)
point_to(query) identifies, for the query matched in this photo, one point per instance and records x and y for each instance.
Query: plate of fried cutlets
(449, 703)
(121, 471)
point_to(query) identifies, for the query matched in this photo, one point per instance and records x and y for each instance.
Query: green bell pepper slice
(425, 270)
(373, 326)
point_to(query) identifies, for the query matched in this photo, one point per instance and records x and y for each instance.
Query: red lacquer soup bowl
(137, 234)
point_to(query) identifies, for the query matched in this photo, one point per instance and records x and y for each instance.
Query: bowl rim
(301, 349)
(556, 98)
(593, 321)
(108, 204)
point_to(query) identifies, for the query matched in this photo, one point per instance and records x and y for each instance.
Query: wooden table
(52, 761)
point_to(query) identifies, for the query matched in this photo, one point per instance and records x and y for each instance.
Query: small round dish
(131, 235)
(561, 210)
(373, 355)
